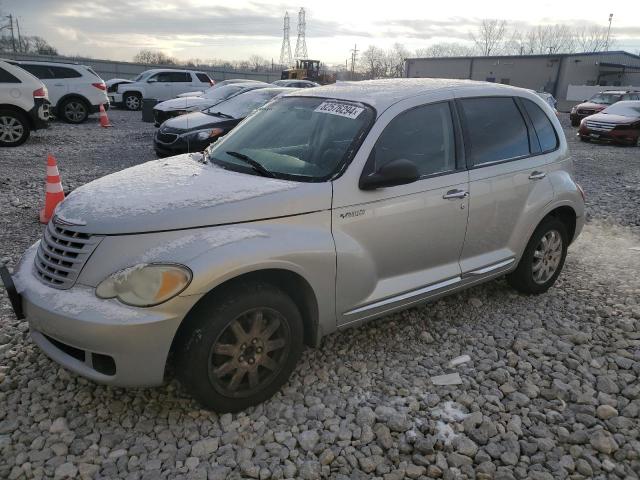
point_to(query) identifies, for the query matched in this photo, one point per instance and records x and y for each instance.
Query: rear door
(396, 245)
(508, 186)
(182, 82)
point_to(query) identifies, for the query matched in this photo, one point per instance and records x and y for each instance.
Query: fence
(111, 69)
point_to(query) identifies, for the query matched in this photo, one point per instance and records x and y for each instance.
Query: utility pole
(606, 46)
(13, 37)
(19, 37)
(354, 55)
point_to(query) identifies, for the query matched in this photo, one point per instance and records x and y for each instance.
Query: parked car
(550, 99)
(219, 84)
(599, 102)
(75, 91)
(296, 83)
(196, 131)
(179, 106)
(618, 123)
(112, 85)
(24, 105)
(327, 208)
(160, 84)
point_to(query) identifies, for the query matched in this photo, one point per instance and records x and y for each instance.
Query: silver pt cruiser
(323, 209)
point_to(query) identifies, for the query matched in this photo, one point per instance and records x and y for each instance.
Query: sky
(237, 29)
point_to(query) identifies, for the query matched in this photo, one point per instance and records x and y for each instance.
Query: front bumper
(179, 145)
(103, 340)
(621, 136)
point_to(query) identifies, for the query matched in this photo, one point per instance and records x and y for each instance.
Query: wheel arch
(70, 96)
(292, 283)
(568, 216)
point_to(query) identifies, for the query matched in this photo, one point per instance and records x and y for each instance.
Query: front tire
(543, 258)
(14, 128)
(74, 110)
(241, 346)
(132, 101)
(575, 123)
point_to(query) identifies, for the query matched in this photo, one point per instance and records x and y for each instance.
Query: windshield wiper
(219, 114)
(257, 166)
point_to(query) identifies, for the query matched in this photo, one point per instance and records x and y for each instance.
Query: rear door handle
(455, 194)
(537, 175)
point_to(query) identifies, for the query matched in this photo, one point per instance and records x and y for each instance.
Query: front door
(397, 245)
(159, 86)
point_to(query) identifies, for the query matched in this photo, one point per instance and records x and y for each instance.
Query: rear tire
(73, 110)
(14, 128)
(240, 347)
(575, 123)
(132, 101)
(543, 258)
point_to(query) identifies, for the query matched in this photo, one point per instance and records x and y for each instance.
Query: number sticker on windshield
(341, 109)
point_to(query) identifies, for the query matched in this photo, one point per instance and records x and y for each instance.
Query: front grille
(165, 137)
(600, 126)
(62, 254)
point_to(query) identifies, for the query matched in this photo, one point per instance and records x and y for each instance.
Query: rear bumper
(103, 340)
(40, 113)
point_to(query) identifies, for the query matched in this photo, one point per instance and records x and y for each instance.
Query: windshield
(298, 138)
(605, 98)
(242, 105)
(626, 109)
(142, 76)
(222, 93)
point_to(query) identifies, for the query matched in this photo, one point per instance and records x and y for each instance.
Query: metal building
(559, 74)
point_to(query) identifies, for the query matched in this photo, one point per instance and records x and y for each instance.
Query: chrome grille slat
(601, 126)
(62, 254)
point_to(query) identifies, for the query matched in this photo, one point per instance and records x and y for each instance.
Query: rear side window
(6, 77)
(544, 128)
(179, 77)
(92, 72)
(423, 135)
(65, 72)
(203, 77)
(495, 129)
(41, 71)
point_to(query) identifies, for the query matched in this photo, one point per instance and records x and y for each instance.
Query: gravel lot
(552, 389)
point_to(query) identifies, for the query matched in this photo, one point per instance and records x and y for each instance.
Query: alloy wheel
(547, 256)
(249, 353)
(133, 102)
(11, 129)
(75, 111)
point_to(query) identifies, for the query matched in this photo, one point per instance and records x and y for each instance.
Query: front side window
(423, 135)
(298, 138)
(542, 125)
(495, 129)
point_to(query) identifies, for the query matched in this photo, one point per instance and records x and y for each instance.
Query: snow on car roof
(381, 94)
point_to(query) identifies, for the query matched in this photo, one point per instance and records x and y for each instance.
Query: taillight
(100, 86)
(40, 93)
(212, 82)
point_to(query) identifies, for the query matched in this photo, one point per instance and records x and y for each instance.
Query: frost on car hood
(185, 102)
(184, 192)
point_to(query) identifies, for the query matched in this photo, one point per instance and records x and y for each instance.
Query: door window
(64, 72)
(41, 71)
(173, 77)
(495, 129)
(203, 77)
(424, 135)
(544, 128)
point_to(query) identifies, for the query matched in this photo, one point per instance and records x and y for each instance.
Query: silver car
(323, 209)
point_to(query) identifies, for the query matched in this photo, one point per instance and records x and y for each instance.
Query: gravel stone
(605, 412)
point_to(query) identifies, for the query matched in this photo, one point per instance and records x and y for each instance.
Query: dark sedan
(195, 131)
(619, 123)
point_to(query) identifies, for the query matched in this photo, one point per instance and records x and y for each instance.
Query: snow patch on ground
(72, 302)
(450, 412)
(445, 433)
(169, 184)
(210, 238)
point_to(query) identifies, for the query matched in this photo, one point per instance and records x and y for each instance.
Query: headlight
(145, 285)
(208, 133)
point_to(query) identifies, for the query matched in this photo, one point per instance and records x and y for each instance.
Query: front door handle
(455, 194)
(537, 175)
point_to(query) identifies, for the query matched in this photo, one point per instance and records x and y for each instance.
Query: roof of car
(39, 62)
(381, 94)
(619, 92)
(154, 70)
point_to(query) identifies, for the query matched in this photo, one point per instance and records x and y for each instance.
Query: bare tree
(445, 49)
(372, 62)
(592, 39)
(490, 36)
(153, 57)
(395, 60)
(257, 62)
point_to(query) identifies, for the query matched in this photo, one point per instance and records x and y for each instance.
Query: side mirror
(152, 80)
(396, 172)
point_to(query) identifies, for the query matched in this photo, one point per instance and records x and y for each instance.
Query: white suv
(75, 90)
(24, 105)
(160, 84)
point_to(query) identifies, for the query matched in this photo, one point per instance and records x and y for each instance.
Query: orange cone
(53, 192)
(104, 120)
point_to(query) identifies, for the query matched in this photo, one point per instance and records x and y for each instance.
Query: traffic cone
(53, 191)
(104, 120)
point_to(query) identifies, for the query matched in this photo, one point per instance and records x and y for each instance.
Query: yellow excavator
(308, 70)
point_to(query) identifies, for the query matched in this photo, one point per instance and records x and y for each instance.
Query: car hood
(592, 106)
(610, 118)
(184, 192)
(185, 102)
(195, 120)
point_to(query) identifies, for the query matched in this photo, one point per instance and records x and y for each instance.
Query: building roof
(381, 94)
(555, 55)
